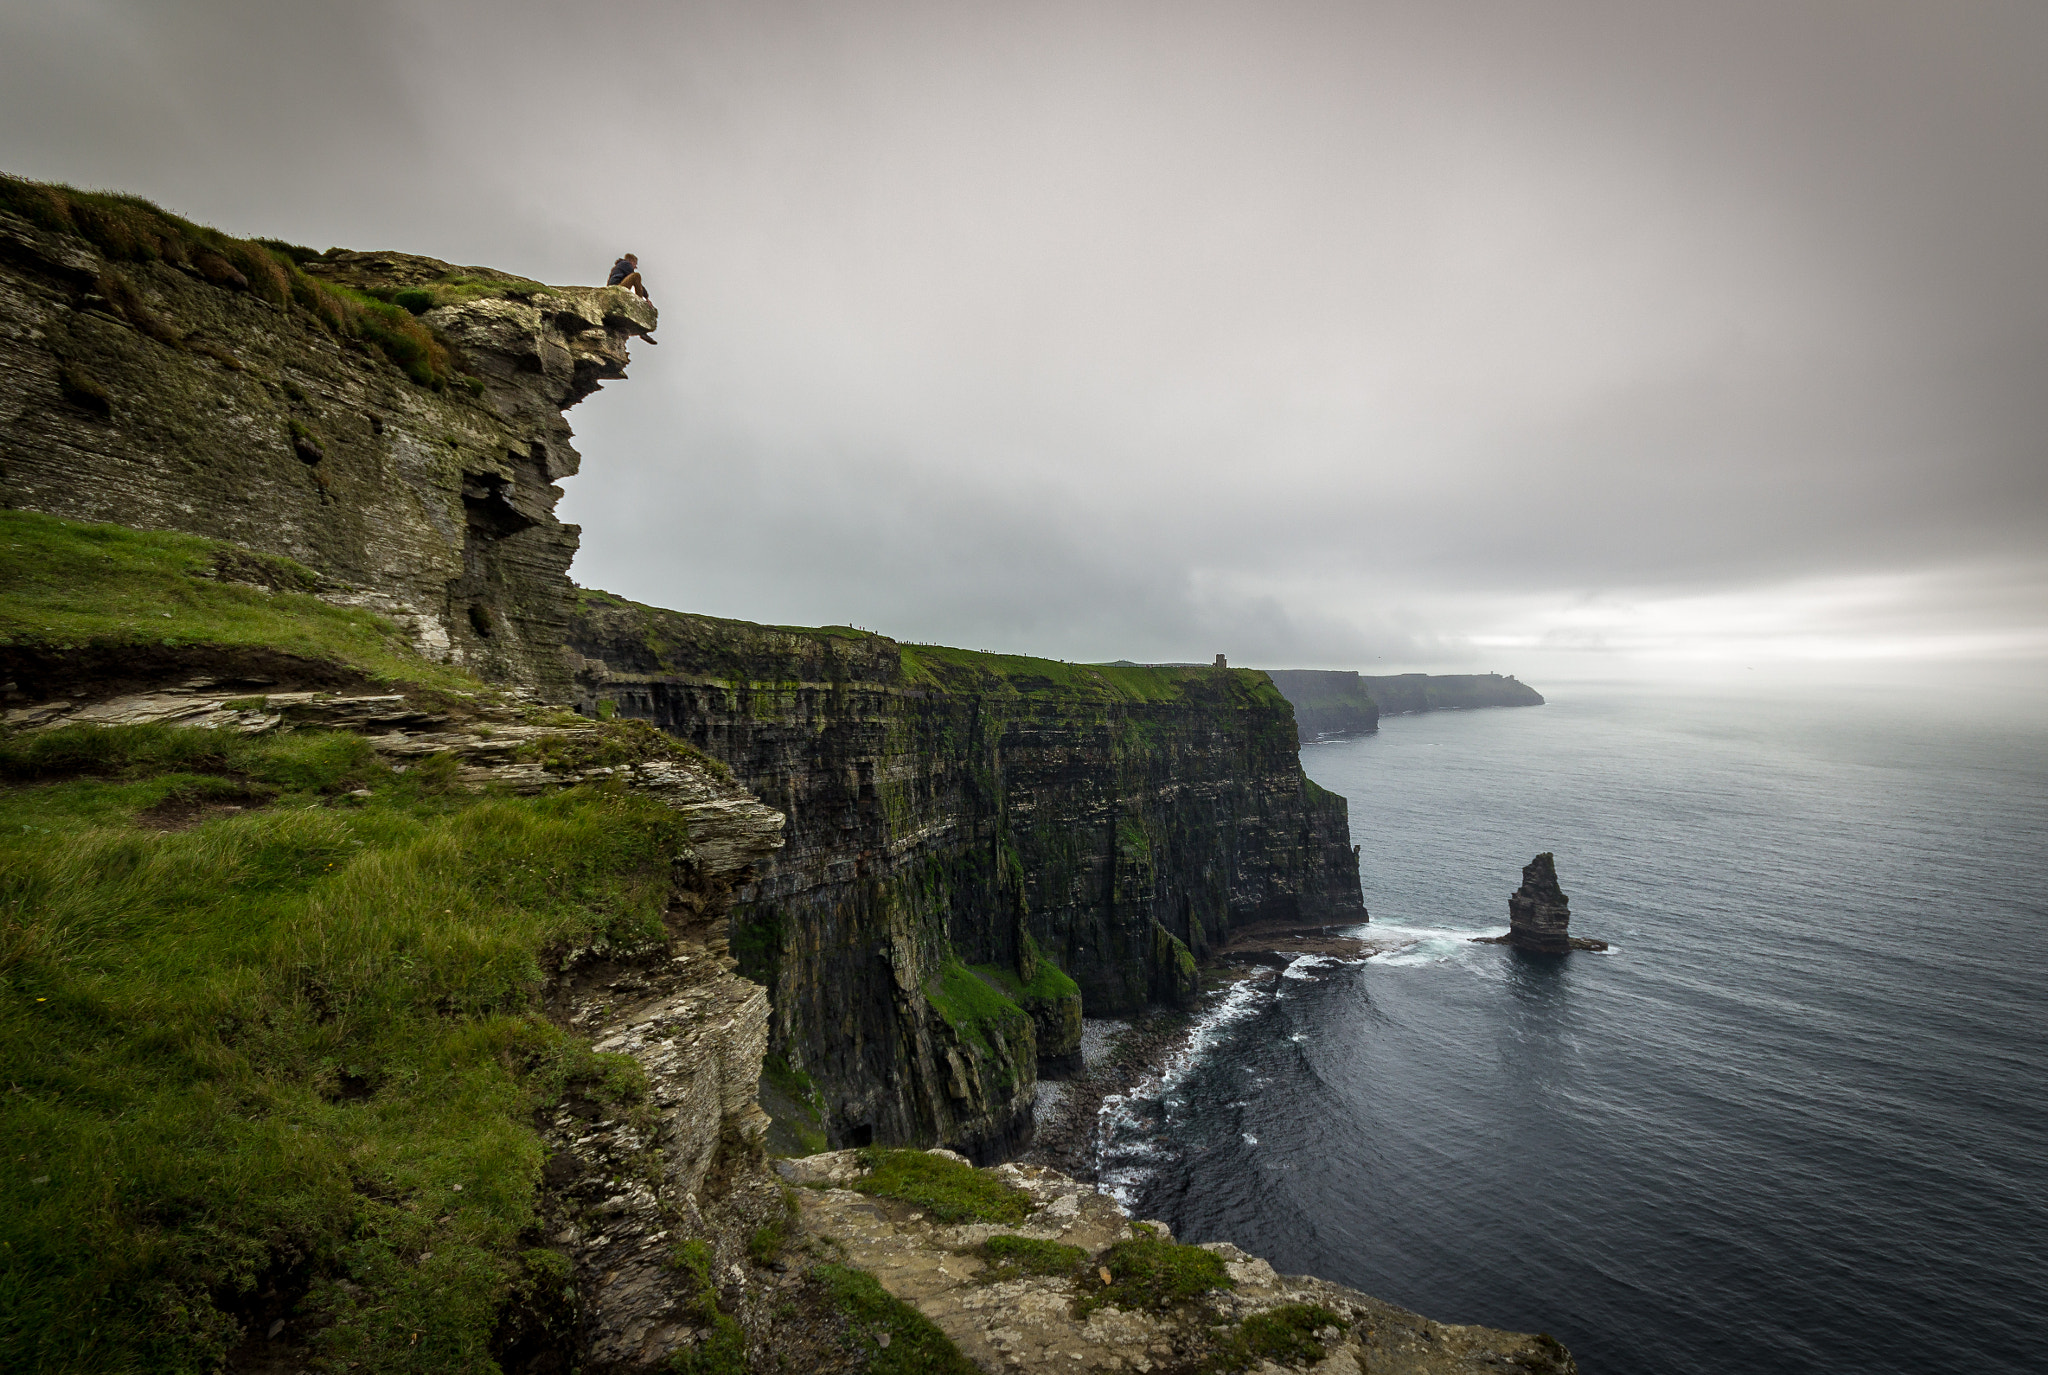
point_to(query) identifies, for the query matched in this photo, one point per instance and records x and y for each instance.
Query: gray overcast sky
(1544, 335)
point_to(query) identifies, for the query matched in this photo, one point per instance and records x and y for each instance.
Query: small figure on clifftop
(1539, 914)
(626, 273)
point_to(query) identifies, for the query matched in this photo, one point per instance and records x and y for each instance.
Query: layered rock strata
(186, 403)
(624, 1191)
(953, 812)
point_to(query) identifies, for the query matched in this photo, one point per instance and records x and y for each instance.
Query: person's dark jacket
(620, 271)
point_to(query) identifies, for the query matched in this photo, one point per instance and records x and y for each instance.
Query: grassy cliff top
(634, 638)
(260, 1029)
(106, 594)
(271, 1020)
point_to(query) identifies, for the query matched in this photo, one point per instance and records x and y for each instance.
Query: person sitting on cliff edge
(626, 273)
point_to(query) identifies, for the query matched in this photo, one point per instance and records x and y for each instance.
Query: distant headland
(1338, 702)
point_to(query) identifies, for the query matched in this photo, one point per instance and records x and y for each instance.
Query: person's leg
(632, 280)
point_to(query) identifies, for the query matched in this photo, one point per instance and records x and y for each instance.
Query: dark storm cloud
(1347, 334)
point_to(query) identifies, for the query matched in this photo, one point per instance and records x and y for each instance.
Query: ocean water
(1796, 1120)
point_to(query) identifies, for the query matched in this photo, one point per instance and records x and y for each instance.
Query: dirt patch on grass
(181, 812)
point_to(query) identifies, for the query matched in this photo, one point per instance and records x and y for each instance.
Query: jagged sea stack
(1540, 915)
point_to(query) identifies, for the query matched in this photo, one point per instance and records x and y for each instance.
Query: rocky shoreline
(1275, 944)
(1115, 1054)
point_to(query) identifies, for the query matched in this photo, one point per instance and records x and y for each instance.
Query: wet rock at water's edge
(1539, 914)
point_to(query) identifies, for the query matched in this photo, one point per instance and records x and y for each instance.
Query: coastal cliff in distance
(1327, 702)
(1402, 693)
(1333, 703)
(980, 846)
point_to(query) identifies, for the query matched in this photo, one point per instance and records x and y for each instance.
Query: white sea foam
(1421, 945)
(1128, 1154)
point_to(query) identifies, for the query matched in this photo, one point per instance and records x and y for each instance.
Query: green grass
(70, 586)
(1285, 1335)
(723, 1347)
(175, 759)
(455, 289)
(971, 1008)
(768, 1240)
(1147, 1272)
(303, 1039)
(1015, 1257)
(622, 741)
(916, 1346)
(130, 229)
(1049, 983)
(1026, 675)
(945, 1189)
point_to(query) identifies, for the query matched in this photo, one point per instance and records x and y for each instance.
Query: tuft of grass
(1048, 983)
(1147, 1272)
(723, 1348)
(1014, 1257)
(1285, 1335)
(915, 1347)
(324, 762)
(767, 1242)
(620, 741)
(945, 1189)
(298, 1040)
(68, 585)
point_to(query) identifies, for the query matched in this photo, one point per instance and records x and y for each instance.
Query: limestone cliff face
(949, 809)
(163, 397)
